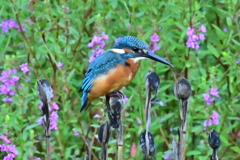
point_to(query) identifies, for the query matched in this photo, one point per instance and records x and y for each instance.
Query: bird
(115, 68)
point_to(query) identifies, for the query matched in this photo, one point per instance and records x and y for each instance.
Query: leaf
(225, 142)
(236, 149)
(114, 4)
(190, 153)
(31, 126)
(213, 50)
(95, 125)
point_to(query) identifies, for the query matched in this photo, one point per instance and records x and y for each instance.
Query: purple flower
(125, 99)
(214, 92)
(225, 29)
(238, 61)
(53, 120)
(9, 148)
(28, 79)
(192, 42)
(154, 38)
(9, 156)
(53, 117)
(76, 133)
(37, 158)
(118, 39)
(190, 31)
(8, 77)
(6, 25)
(154, 43)
(24, 67)
(54, 106)
(40, 105)
(207, 123)
(194, 37)
(91, 58)
(59, 64)
(5, 139)
(11, 93)
(201, 36)
(12, 23)
(104, 36)
(207, 98)
(203, 28)
(97, 116)
(20, 86)
(4, 89)
(167, 156)
(214, 119)
(12, 148)
(99, 43)
(40, 121)
(7, 100)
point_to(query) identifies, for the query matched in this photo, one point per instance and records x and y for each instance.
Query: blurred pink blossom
(214, 92)
(133, 150)
(213, 119)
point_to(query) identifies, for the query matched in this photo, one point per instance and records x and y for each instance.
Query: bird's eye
(136, 50)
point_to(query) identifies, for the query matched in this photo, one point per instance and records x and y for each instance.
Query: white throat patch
(119, 51)
(135, 60)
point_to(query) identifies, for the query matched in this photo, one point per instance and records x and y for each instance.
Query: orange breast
(114, 80)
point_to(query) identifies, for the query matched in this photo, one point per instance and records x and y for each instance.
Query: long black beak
(155, 57)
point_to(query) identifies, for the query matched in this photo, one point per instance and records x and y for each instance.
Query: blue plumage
(131, 43)
(99, 66)
(125, 48)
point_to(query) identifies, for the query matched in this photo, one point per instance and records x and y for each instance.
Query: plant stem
(183, 129)
(120, 138)
(148, 120)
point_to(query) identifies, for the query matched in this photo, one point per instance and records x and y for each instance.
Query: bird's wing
(99, 66)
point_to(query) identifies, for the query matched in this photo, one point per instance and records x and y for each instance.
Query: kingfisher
(115, 68)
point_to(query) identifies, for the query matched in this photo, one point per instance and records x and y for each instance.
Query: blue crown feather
(130, 42)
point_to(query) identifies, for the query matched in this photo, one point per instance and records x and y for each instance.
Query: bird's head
(138, 49)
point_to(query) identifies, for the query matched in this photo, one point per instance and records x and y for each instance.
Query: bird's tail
(85, 103)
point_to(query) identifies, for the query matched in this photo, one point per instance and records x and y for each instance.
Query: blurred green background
(60, 30)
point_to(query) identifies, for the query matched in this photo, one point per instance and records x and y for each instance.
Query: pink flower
(190, 31)
(155, 38)
(203, 28)
(207, 98)
(118, 39)
(201, 36)
(5, 139)
(59, 64)
(24, 67)
(167, 156)
(53, 120)
(214, 92)
(76, 133)
(54, 106)
(214, 119)
(104, 36)
(125, 99)
(91, 58)
(97, 116)
(133, 150)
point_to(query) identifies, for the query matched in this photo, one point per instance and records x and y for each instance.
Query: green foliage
(59, 31)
